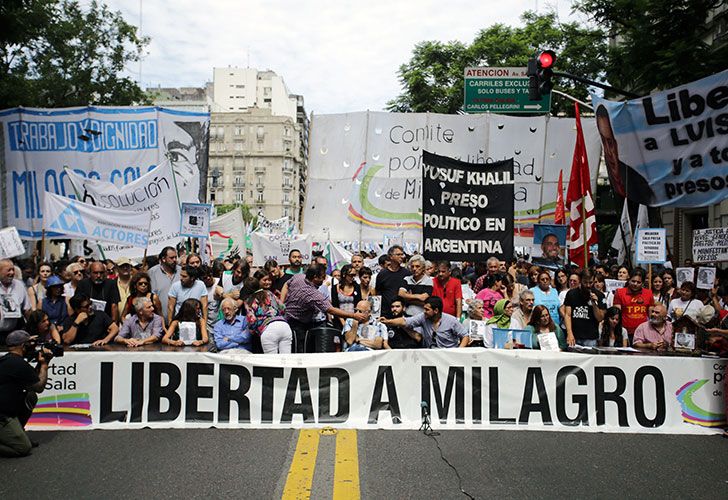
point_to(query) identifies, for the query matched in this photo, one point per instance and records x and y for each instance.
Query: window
(239, 130)
(286, 212)
(239, 197)
(259, 198)
(266, 91)
(240, 86)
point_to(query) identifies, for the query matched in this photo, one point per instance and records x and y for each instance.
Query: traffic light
(539, 75)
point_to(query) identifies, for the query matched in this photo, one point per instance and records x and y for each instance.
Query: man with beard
(438, 329)
(14, 301)
(103, 292)
(88, 326)
(401, 337)
(188, 287)
(655, 333)
(391, 279)
(164, 274)
(522, 315)
(584, 309)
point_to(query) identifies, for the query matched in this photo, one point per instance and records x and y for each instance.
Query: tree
(55, 53)
(659, 44)
(247, 214)
(433, 78)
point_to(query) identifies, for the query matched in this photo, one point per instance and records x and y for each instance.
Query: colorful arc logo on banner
(65, 410)
(361, 209)
(691, 412)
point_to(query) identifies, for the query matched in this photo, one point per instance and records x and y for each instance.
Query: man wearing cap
(14, 300)
(19, 383)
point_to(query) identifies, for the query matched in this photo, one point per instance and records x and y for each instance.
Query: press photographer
(19, 385)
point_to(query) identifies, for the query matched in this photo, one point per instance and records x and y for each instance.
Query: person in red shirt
(448, 289)
(635, 302)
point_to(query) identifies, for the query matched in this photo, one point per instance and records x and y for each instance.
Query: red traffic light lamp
(540, 72)
(546, 59)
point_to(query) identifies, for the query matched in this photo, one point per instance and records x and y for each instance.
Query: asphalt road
(216, 463)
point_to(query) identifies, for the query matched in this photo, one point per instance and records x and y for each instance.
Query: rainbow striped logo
(691, 412)
(63, 410)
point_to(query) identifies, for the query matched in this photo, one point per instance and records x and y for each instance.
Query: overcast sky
(341, 56)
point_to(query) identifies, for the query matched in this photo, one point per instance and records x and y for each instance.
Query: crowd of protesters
(406, 302)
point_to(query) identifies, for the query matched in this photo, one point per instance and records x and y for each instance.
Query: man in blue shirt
(232, 331)
(365, 336)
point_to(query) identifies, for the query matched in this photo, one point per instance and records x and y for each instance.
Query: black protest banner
(467, 208)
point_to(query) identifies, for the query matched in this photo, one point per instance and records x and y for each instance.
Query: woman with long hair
(141, 286)
(37, 291)
(612, 334)
(561, 280)
(189, 312)
(39, 324)
(542, 322)
(265, 316)
(365, 280)
(533, 273)
(623, 273)
(669, 284)
(346, 292)
(658, 290)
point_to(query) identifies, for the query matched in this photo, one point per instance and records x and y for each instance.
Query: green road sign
(500, 90)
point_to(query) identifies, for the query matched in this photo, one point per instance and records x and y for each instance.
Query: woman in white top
(75, 274)
(686, 304)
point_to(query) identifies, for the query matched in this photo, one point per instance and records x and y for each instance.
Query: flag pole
(583, 229)
(42, 246)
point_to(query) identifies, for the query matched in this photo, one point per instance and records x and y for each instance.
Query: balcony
(259, 169)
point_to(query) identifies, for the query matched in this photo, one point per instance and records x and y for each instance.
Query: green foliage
(432, 80)
(659, 44)
(56, 53)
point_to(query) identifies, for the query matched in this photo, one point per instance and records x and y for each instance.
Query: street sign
(500, 90)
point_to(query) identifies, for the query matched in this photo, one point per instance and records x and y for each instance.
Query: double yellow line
(346, 468)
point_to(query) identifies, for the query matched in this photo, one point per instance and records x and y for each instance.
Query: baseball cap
(124, 260)
(16, 338)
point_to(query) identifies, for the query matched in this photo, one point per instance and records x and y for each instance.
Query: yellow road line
(300, 475)
(346, 469)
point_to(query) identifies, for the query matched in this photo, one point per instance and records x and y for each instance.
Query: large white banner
(152, 193)
(463, 388)
(64, 218)
(365, 168)
(278, 246)
(227, 234)
(114, 144)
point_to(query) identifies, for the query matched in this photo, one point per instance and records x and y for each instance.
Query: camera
(50, 350)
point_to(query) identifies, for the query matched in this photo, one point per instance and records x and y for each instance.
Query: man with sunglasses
(88, 326)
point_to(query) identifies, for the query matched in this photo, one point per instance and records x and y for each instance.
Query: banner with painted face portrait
(669, 148)
(112, 144)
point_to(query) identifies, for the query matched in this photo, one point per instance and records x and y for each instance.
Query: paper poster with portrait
(195, 220)
(684, 341)
(9, 307)
(683, 274)
(549, 245)
(706, 278)
(512, 339)
(10, 243)
(476, 329)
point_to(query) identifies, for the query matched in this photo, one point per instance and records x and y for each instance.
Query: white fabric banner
(365, 168)
(281, 225)
(227, 234)
(470, 388)
(278, 246)
(152, 193)
(114, 144)
(65, 217)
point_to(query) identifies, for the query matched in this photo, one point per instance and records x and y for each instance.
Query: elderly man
(417, 287)
(144, 327)
(438, 329)
(14, 300)
(103, 292)
(367, 335)
(522, 315)
(188, 287)
(87, 325)
(18, 384)
(304, 300)
(492, 267)
(655, 333)
(232, 332)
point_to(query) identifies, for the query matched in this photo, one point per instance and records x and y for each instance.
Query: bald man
(655, 333)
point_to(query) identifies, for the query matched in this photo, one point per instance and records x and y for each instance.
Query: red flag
(559, 217)
(581, 204)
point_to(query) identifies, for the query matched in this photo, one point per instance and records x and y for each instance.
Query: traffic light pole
(603, 86)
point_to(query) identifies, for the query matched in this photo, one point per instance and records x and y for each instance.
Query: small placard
(684, 341)
(651, 246)
(683, 274)
(195, 220)
(706, 278)
(376, 303)
(476, 329)
(614, 285)
(512, 339)
(10, 243)
(187, 332)
(548, 341)
(98, 305)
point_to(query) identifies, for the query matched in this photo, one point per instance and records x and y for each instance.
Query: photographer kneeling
(19, 383)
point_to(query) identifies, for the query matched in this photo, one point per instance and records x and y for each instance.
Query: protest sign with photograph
(706, 278)
(683, 274)
(195, 220)
(512, 339)
(549, 242)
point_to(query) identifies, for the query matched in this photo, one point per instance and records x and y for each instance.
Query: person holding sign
(686, 304)
(634, 302)
(368, 335)
(14, 301)
(103, 292)
(501, 318)
(542, 322)
(188, 326)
